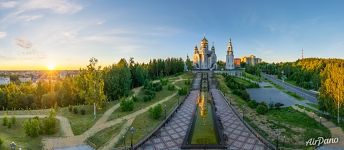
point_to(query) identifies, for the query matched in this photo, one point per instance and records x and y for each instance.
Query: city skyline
(65, 34)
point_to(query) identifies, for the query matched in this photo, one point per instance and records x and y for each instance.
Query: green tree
(91, 84)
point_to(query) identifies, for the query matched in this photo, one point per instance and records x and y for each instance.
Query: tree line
(323, 75)
(93, 84)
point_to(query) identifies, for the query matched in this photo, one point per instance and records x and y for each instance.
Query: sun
(51, 66)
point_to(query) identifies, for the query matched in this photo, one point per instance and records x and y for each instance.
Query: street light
(123, 140)
(165, 109)
(132, 131)
(320, 120)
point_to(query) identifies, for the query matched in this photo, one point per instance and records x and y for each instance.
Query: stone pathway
(239, 136)
(172, 134)
(336, 132)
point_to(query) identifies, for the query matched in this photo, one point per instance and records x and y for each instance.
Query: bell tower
(229, 56)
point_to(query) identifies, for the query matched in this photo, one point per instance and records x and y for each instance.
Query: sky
(37, 34)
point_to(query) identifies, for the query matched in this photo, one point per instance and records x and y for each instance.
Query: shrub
(13, 120)
(278, 105)
(83, 111)
(32, 127)
(156, 111)
(182, 91)
(135, 99)
(147, 98)
(187, 82)
(127, 105)
(70, 108)
(1, 142)
(171, 87)
(4, 121)
(262, 109)
(164, 81)
(9, 125)
(75, 110)
(252, 104)
(271, 105)
(49, 123)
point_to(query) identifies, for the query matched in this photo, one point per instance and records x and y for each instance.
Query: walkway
(239, 136)
(172, 134)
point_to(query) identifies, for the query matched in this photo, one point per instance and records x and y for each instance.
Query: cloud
(29, 18)
(23, 43)
(57, 6)
(3, 34)
(23, 11)
(8, 4)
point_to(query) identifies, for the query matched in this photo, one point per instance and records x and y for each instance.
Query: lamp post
(320, 120)
(123, 141)
(283, 140)
(277, 141)
(132, 131)
(165, 107)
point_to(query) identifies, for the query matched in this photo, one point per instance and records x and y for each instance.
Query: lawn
(17, 134)
(295, 119)
(81, 123)
(294, 95)
(251, 76)
(103, 136)
(140, 104)
(144, 124)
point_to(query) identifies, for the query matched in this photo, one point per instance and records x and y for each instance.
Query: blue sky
(37, 33)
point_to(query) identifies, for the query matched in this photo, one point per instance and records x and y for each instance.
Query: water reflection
(202, 104)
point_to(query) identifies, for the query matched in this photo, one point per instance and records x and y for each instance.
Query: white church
(205, 59)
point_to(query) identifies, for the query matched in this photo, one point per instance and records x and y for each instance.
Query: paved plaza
(239, 136)
(172, 134)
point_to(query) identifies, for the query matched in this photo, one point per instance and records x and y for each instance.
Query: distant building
(5, 80)
(251, 60)
(237, 62)
(24, 79)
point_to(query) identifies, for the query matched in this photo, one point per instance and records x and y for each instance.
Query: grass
(295, 95)
(316, 106)
(251, 76)
(81, 123)
(294, 118)
(140, 104)
(103, 136)
(17, 134)
(144, 124)
(203, 132)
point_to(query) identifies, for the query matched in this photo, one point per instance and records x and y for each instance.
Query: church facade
(205, 59)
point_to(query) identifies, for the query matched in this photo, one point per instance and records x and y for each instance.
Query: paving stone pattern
(172, 134)
(239, 136)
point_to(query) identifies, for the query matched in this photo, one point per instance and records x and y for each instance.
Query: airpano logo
(320, 141)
